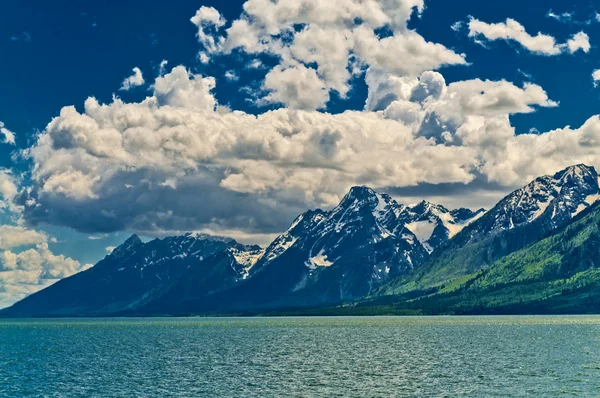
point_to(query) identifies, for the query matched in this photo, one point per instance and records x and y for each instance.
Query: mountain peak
(360, 192)
(359, 197)
(126, 246)
(425, 206)
(207, 237)
(578, 171)
(132, 240)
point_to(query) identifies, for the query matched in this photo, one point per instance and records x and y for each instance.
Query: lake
(537, 356)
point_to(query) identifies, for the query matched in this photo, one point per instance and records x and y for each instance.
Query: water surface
(302, 357)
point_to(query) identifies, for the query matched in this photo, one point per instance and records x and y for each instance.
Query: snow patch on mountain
(433, 224)
(591, 199)
(280, 246)
(422, 229)
(320, 260)
(247, 259)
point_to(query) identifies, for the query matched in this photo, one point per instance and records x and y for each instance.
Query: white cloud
(596, 77)
(8, 187)
(176, 162)
(568, 17)
(457, 26)
(562, 17)
(541, 43)
(331, 42)
(8, 136)
(208, 19)
(457, 100)
(8, 192)
(296, 87)
(134, 80)
(109, 249)
(203, 57)
(162, 67)
(232, 76)
(14, 236)
(579, 41)
(28, 271)
(255, 64)
(26, 263)
(182, 89)
(179, 161)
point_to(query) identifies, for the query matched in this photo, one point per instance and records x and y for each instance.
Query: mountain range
(369, 254)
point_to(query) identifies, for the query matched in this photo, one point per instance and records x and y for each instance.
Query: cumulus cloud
(208, 20)
(297, 87)
(8, 192)
(435, 110)
(175, 162)
(324, 41)
(255, 64)
(15, 236)
(179, 161)
(511, 30)
(134, 80)
(23, 273)
(179, 88)
(579, 41)
(8, 137)
(26, 262)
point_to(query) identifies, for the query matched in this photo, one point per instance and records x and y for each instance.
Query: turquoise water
(302, 357)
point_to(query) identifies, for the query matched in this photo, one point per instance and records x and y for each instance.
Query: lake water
(302, 357)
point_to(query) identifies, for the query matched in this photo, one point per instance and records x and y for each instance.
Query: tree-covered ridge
(560, 273)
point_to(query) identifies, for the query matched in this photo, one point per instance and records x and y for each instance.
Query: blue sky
(79, 49)
(236, 155)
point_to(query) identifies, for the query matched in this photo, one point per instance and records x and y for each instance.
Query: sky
(232, 118)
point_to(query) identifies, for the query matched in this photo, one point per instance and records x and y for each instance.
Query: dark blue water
(302, 357)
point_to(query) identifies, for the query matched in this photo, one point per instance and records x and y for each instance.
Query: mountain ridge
(368, 245)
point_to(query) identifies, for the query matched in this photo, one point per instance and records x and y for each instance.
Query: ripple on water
(302, 357)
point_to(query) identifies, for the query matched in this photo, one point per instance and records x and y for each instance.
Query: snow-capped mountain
(376, 217)
(363, 218)
(521, 219)
(547, 202)
(434, 224)
(347, 252)
(161, 257)
(323, 258)
(137, 274)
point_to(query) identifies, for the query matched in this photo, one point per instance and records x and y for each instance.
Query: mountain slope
(521, 218)
(138, 273)
(350, 251)
(558, 274)
(324, 257)
(434, 224)
(368, 245)
(327, 257)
